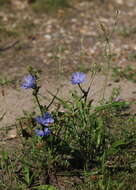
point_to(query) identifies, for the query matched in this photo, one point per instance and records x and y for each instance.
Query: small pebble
(47, 36)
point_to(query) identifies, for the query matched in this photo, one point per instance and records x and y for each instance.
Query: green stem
(85, 93)
(81, 89)
(38, 102)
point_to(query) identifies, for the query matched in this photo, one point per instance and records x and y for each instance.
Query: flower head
(44, 120)
(42, 133)
(77, 78)
(28, 82)
(46, 131)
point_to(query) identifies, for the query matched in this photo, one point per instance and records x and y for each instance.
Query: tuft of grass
(42, 6)
(8, 33)
(4, 81)
(132, 56)
(4, 3)
(127, 31)
(128, 73)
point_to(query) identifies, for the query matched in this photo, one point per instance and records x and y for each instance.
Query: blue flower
(77, 78)
(44, 120)
(28, 82)
(39, 133)
(46, 131)
(42, 133)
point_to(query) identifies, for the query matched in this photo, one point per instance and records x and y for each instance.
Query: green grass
(4, 81)
(42, 6)
(128, 73)
(8, 33)
(4, 3)
(132, 56)
(126, 31)
(92, 147)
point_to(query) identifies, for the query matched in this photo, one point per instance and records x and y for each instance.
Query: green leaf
(111, 105)
(118, 143)
(115, 147)
(26, 175)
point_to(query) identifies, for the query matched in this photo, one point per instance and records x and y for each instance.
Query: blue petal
(45, 119)
(46, 131)
(77, 78)
(39, 132)
(28, 82)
